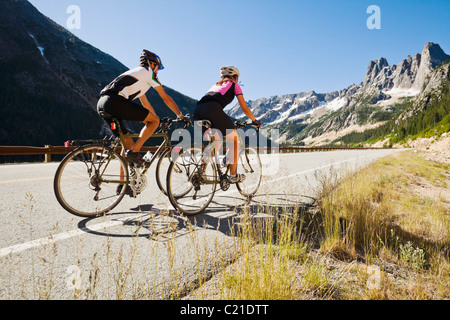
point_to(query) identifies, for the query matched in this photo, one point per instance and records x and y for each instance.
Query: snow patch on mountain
(41, 49)
(337, 104)
(395, 94)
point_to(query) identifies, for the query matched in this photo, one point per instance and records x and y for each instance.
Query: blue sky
(280, 46)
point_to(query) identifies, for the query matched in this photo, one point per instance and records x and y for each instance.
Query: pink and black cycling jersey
(223, 94)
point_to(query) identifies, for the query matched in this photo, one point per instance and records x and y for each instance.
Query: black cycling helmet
(150, 56)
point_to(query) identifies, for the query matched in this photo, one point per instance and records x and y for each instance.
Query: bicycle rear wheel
(191, 183)
(249, 164)
(86, 182)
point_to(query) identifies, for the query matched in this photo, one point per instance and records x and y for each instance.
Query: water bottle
(148, 156)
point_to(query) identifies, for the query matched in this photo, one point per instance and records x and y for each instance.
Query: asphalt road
(143, 249)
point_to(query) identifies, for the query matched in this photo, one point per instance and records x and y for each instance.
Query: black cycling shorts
(120, 108)
(213, 111)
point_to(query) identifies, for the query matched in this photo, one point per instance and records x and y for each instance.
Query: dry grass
(378, 215)
(372, 236)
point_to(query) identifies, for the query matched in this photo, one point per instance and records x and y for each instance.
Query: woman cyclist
(116, 101)
(211, 107)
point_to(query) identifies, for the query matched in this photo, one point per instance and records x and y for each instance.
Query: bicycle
(193, 176)
(87, 181)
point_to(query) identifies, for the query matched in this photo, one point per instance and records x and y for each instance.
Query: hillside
(51, 81)
(425, 116)
(357, 111)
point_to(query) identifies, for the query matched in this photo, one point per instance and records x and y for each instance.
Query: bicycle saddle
(115, 123)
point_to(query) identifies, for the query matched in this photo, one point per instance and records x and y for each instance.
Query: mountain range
(51, 81)
(319, 118)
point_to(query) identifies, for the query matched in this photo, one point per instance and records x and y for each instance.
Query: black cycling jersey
(211, 106)
(222, 93)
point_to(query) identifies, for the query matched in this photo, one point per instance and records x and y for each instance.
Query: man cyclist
(211, 107)
(116, 101)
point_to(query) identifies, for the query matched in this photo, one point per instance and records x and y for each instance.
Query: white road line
(26, 180)
(70, 234)
(62, 236)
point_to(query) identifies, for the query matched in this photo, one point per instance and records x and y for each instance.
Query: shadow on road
(162, 225)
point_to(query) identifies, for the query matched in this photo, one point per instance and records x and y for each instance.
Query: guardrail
(48, 150)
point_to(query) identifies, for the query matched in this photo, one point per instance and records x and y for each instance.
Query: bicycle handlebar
(169, 121)
(242, 124)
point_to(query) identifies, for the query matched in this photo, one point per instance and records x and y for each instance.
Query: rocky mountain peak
(375, 67)
(378, 73)
(433, 53)
(432, 56)
(410, 73)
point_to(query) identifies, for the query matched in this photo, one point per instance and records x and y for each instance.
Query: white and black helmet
(229, 71)
(151, 57)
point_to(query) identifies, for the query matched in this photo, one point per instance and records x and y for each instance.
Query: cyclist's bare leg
(218, 142)
(129, 144)
(233, 145)
(151, 124)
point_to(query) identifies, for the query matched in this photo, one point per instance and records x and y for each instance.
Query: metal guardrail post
(48, 156)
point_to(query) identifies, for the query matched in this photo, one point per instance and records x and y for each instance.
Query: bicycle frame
(202, 166)
(99, 166)
(121, 140)
(166, 144)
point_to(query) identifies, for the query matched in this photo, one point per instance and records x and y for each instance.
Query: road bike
(92, 179)
(193, 176)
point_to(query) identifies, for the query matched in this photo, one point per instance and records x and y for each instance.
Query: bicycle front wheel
(161, 170)
(191, 181)
(87, 181)
(249, 164)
